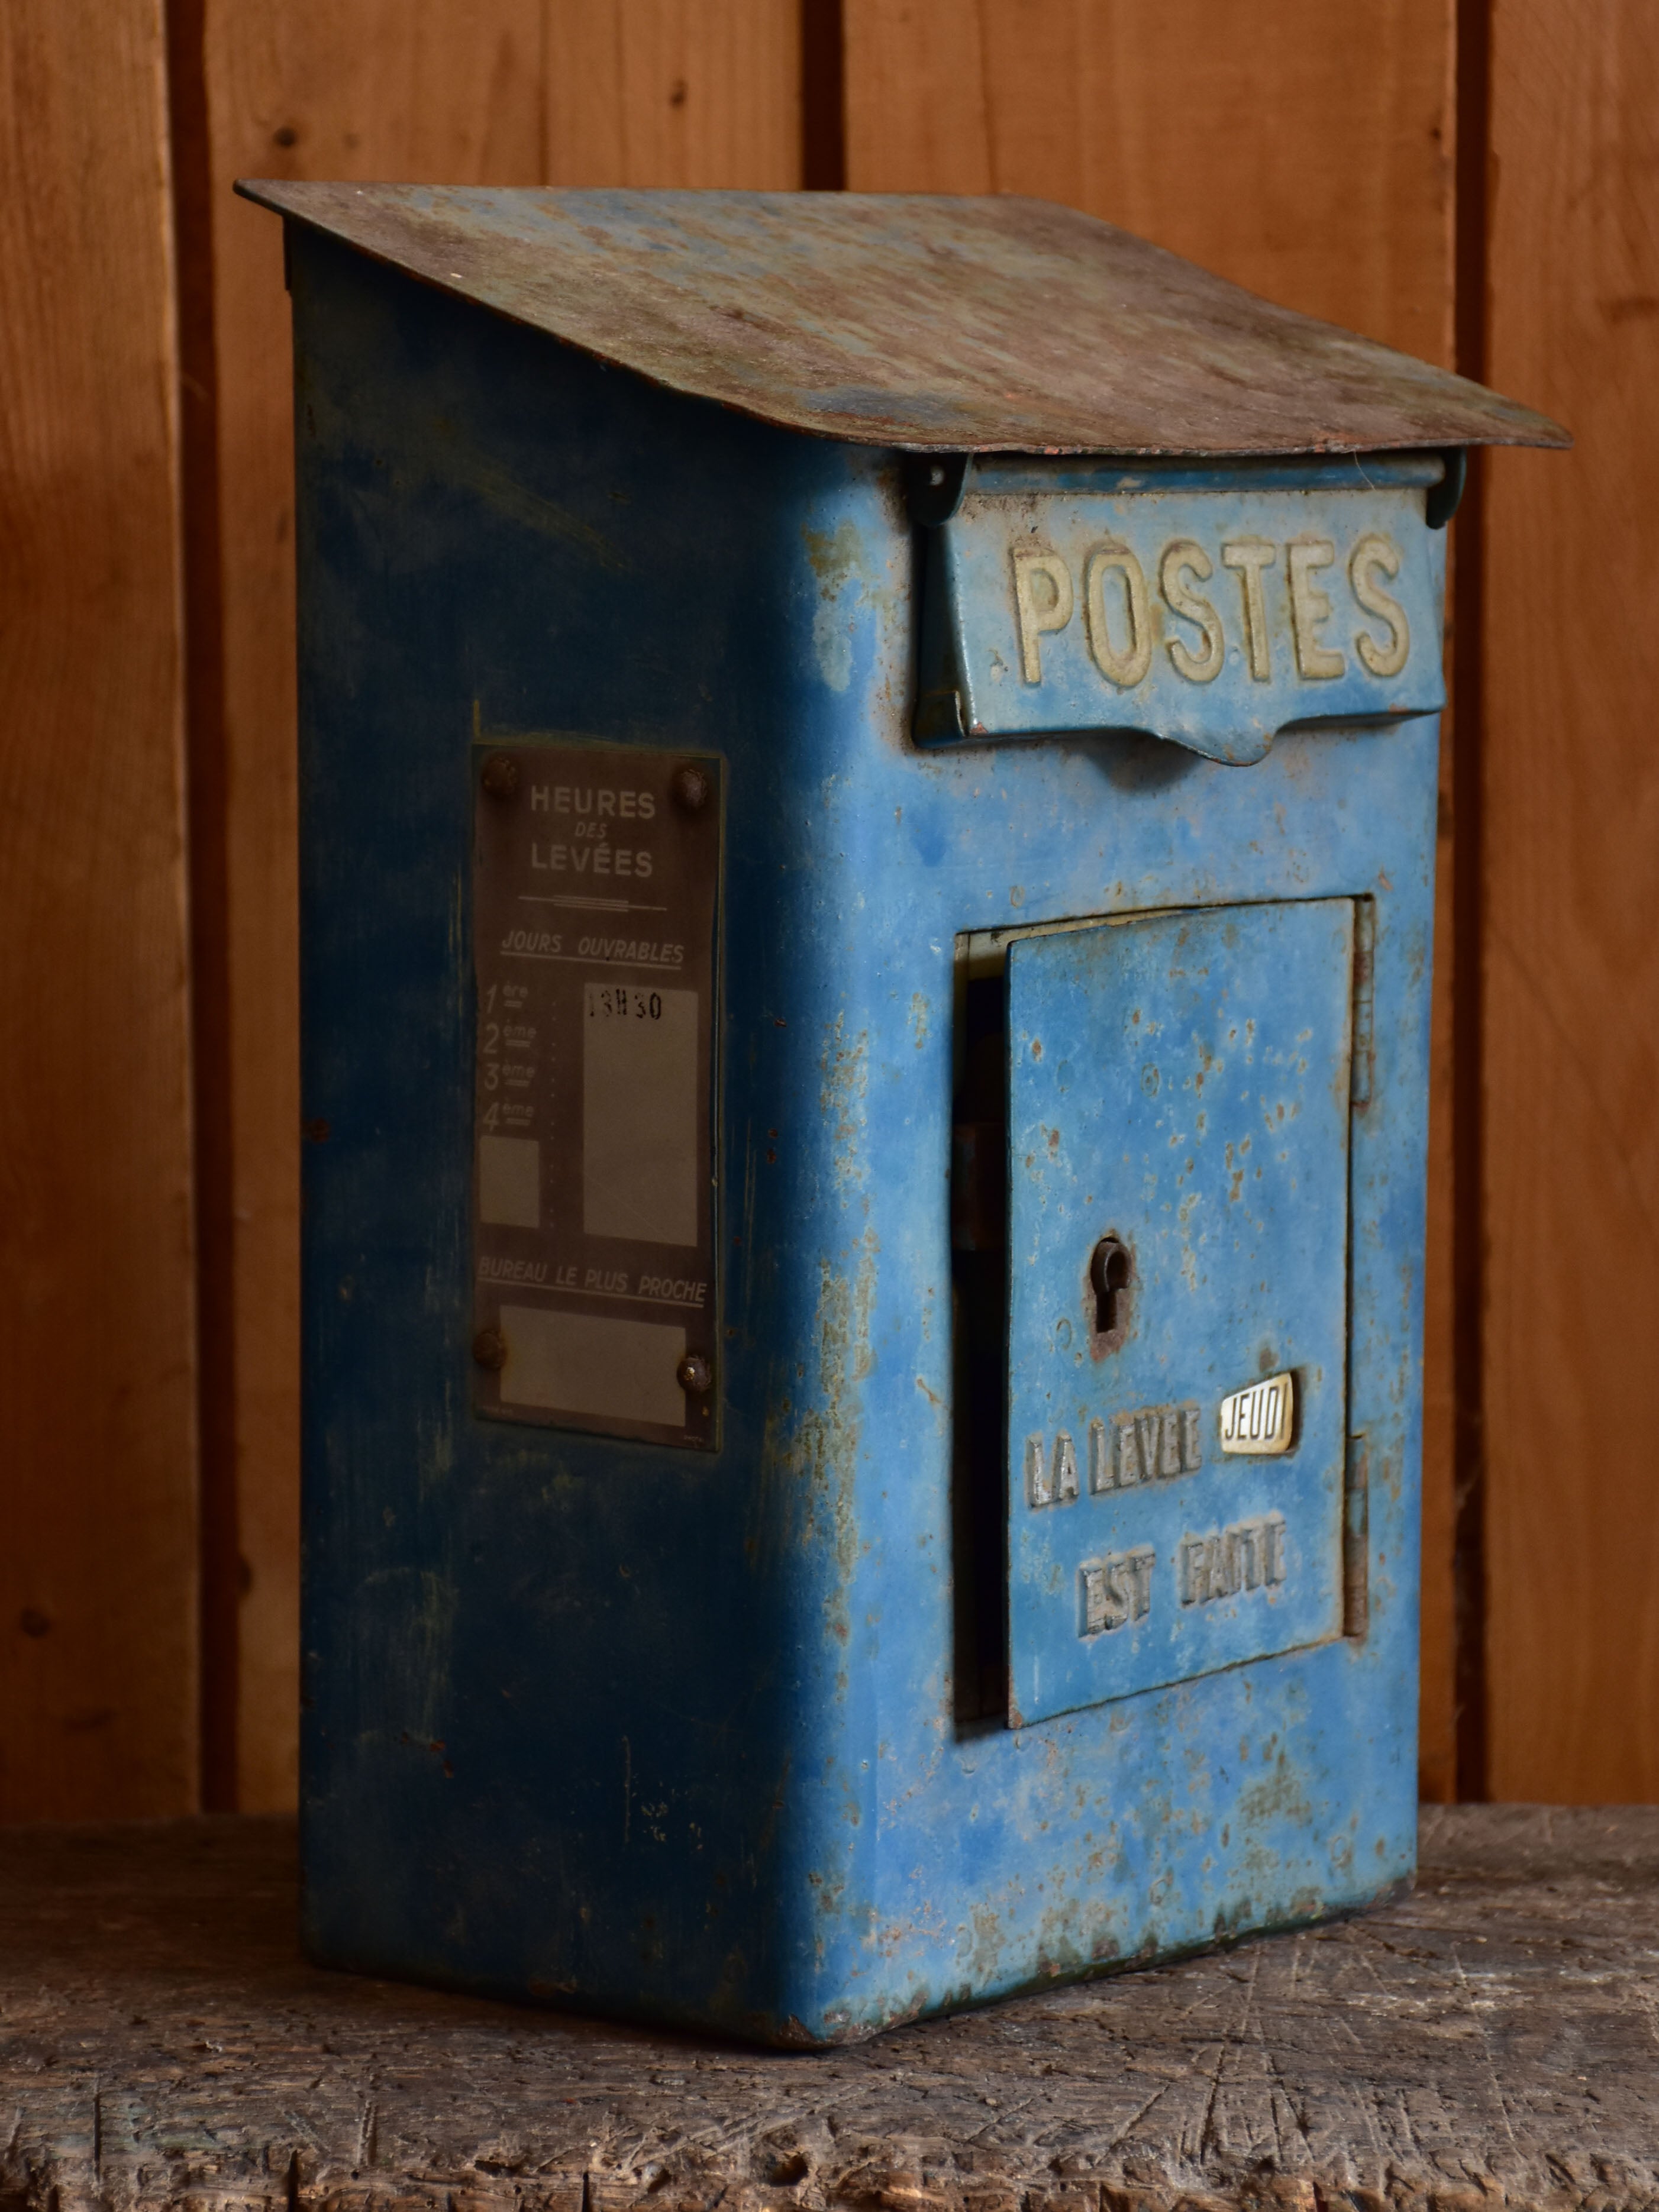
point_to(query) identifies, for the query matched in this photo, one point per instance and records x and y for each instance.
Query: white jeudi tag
(1260, 1420)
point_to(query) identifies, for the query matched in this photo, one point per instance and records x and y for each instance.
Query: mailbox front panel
(1178, 1184)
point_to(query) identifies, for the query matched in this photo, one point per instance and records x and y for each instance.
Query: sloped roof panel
(931, 324)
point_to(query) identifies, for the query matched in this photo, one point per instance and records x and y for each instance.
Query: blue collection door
(1178, 1256)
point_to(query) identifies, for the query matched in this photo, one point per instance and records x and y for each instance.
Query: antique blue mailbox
(869, 777)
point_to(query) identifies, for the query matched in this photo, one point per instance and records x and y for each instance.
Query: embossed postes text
(1198, 602)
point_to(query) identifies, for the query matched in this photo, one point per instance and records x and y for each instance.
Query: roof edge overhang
(673, 305)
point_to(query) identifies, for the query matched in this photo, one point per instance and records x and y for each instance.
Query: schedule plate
(595, 897)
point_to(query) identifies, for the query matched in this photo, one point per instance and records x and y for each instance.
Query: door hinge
(1356, 1538)
(1365, 1002)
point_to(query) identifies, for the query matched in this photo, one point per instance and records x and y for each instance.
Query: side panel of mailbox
(579, 1714)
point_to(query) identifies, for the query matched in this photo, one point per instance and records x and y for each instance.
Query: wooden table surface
(1492, 2040)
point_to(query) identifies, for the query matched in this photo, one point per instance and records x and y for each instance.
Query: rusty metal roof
(999, 325)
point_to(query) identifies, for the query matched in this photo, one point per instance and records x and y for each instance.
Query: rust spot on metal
(499, 777)
(695, 1375)
(691, 787)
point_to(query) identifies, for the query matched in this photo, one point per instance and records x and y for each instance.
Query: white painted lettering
(673, 1290)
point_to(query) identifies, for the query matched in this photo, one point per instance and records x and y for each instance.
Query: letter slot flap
(1178, 1085)
(1096, 597)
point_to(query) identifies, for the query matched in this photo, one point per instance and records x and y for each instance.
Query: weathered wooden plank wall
(1313, 159)
(1570, 672)
(300, 89)
(1313, 162)
(512, 92)
(98, 1564)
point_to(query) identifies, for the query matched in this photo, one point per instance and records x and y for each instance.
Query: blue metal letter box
(868, 782)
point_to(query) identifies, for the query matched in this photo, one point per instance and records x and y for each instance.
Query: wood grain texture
(507, 92)
(1305, 153)
(300, 89)
(1486, 2042)
(674, 92)
(1572, 800)
(98, 1566)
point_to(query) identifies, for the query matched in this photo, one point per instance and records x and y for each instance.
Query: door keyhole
(1111, 1269)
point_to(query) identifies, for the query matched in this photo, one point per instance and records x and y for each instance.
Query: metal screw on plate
(694, 1375)
(489, 1349)
(691, 786)
(500, 776)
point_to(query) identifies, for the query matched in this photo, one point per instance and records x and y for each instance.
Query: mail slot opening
(979, 1305)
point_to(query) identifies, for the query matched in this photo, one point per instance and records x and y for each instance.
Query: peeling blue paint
(700, 1759)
